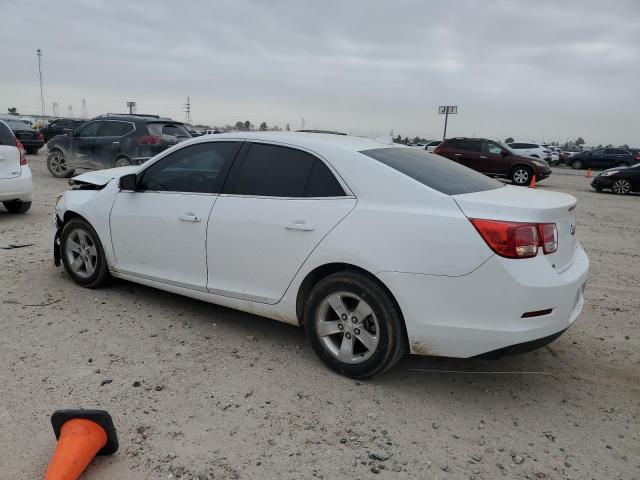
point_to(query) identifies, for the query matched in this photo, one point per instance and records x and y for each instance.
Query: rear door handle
(189, 217)
(482, 156)
(458, 154)
(300, 225)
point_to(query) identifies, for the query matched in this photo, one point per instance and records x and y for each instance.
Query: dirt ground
(199, 391)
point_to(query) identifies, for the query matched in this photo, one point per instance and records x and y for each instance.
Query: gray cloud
(534, 70)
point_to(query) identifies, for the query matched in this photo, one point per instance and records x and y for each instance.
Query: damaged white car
(378, 250)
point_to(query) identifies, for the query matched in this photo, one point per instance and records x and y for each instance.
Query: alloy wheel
(347, 327)
(521, 176)
(82, 254)
(58, 164)
(577, 165)
(621, 187)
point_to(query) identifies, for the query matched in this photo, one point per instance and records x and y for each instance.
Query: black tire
(521, 175)
(621, 186)
(100, 275)
(121, 162)
(392, 343)
(16, 206)
(32, 150)
(577, 164)
(57, 164)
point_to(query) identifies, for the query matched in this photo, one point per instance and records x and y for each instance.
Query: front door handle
(482, 156)
(300, 225)
(458, 154)
(189, 217)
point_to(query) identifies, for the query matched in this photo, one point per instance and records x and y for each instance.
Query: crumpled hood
(102, 177)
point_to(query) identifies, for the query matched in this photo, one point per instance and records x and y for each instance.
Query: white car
(534, 150)
(377, 249)
(16, 185)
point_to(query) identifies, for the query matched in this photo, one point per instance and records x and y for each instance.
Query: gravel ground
(199, 391)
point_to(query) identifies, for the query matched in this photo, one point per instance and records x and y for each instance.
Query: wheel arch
(314, 276)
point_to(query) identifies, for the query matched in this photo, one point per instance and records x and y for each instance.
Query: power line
(187, 110)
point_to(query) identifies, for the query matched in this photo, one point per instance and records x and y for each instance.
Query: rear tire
(521, 175)
(577, 164)
(17, 206)
(57, 165)
(355, 347)
(82, 254)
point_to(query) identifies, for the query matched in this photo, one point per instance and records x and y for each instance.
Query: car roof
(134, 117)
(312, 141)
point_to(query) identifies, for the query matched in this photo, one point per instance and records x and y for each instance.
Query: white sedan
(377, 249)
(16, 185)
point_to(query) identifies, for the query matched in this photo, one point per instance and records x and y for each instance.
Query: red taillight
(149, 140)
(40, 136)
(23, 156)
(515, 239)
(638, 157)
(437, 150)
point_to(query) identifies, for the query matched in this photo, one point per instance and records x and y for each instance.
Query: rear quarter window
(170, 130)
(434, 171)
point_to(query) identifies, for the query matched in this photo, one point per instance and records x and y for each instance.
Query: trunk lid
(518, 204)
(9, 161)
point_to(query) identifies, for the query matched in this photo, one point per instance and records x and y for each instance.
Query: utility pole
(302, 124)
(84, 108)
(187, 111)
(132, 107)
(39, 53)
(55, 109)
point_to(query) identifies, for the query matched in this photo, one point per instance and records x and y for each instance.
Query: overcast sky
(533, 70)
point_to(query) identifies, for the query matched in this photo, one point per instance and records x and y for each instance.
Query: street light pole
(446, 119)
(39, 53)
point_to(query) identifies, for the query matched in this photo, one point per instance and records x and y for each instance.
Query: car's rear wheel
(57, 165)
(354, 325)
(521, 175)
(577, 164)
(82, 254)
(122, 162)
(621, 186)
(17, 206)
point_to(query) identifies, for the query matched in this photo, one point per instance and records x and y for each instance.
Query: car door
(278, 204)
(467, 152)
(494, 159)
(159, 231)
(107, 143)
(81, 154)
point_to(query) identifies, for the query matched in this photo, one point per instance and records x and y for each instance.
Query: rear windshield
(6, 135)
(169, 130)
(434, 171)
(17, 125)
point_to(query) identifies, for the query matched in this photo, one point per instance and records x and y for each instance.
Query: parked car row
(603, 158)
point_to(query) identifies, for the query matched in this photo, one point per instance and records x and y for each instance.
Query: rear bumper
(19, 188)
(33, 143)
(482, 312)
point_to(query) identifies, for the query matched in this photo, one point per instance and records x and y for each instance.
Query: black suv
(60, 127)
(603, 158)
(113, 140)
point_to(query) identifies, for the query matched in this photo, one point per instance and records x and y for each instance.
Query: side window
(598, 152)
(491, 148)
(517, 146)
(114, 129)
(467, 145)
(89, 130)
(273, 171)
(6, 135)
(199, 168)
(322, 182)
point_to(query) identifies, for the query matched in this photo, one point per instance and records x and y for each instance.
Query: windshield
(434, 171)
(17, 125)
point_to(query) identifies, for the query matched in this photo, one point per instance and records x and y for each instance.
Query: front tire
(82, 254)
(122, 162)
(354, 325)
(577, 164)
(621, 186)
(57, 165)
(17, 206)
(521, 175)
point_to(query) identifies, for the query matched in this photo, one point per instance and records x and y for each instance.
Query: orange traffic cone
(81, 434)
(533, 182)
(588, 174)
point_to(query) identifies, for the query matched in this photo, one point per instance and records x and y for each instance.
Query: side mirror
(504, 153)
(128, 182)
(68, 131)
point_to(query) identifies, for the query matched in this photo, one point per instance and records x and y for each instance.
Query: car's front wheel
(577, 164)
(621, 186)
(521, 175)
(17, 206)
(122, 162)
(57, 164)
(354, 325)
(82, 254)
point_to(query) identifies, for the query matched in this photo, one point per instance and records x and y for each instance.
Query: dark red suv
(493, 159)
